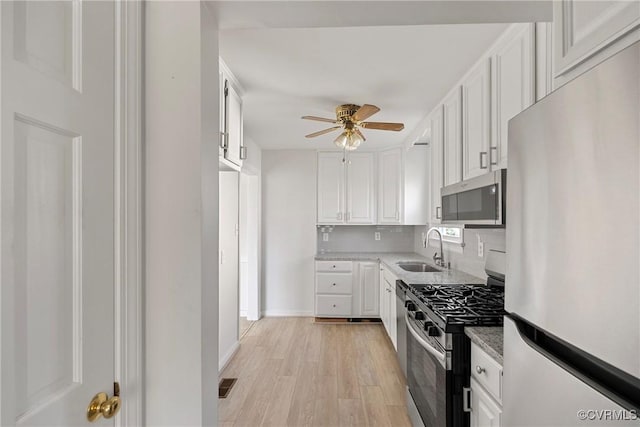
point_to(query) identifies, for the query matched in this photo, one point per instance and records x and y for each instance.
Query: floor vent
(226, 384)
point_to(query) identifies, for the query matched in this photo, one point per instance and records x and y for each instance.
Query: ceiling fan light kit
(349, 117)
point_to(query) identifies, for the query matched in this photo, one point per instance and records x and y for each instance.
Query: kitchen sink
(418, 267)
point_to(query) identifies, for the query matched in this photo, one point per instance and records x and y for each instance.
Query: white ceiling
(290, 72)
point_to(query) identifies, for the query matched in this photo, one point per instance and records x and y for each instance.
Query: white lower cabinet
(485, 401)
(388, 304)
(347, 289)
(485, 412)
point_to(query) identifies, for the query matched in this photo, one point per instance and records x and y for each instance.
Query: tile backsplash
(361, 238)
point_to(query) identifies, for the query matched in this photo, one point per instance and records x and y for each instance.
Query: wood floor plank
(259, 397)
(328, 363)
(374, 406)
(398, 416)
(348, 386)
(278, 410)
(351, 413)
(325, 411)
(303, 402)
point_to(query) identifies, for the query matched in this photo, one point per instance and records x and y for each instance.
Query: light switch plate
(376, 235)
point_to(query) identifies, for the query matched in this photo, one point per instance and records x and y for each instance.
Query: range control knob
(411, 307)
(419, 315)
(433, 331)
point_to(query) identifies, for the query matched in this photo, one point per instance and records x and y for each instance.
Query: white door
(229, 231)
(453, 137)
(437, 160)
(476, 108)
(58, 151)
(331, 188)
(361, 190)
(513, 88)
(390, 187)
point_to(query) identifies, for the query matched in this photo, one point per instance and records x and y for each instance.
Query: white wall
(181, 214)
(289, 231)
(229, 267)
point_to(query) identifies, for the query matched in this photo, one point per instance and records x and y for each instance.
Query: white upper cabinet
(361, 191)
(436, 122)
(513, 88)
(588, 32)
(390, 197)
(234, 150)
(476, 110)
(452, 105)
(346, 189)
(231, 148)
(331, 188)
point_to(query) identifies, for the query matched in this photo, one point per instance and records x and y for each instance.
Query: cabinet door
(361, 194)
(234, 126)
(393, 321)
(484, 411)
(588, 32)
(223, 119)
(437, 161)
(513, 88)
(453, 137)
(390, 187)
(330, 188)
(476, 109)
(369, 288)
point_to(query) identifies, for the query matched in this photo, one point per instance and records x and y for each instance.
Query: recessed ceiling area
(287, 73)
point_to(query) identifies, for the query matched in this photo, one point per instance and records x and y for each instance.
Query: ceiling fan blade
(382, 126)
(320, 119)
(364, 112)
(322, 132)
(357, 131)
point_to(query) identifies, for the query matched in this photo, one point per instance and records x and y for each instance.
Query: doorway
(249, 247)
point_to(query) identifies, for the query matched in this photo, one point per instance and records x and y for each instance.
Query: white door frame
(251, 233)
(128, 218)
(129, 240)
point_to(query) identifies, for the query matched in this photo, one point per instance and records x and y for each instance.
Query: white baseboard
(287, 313)
(224, 361)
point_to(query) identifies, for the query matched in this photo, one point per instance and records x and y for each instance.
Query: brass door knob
(103, 406)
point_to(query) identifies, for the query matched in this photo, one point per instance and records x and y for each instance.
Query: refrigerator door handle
(612, 382)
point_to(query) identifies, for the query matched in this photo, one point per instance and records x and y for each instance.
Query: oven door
(429, 376)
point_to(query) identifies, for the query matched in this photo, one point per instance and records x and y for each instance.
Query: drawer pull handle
(334, 284)
(334, 266)
(334, 305)
(479, 369)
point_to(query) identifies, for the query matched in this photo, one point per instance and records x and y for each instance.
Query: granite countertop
(489, 338)
(390, 261)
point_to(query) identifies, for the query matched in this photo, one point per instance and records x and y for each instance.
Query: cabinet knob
(334, 305)
(479, 369)
(334, 284)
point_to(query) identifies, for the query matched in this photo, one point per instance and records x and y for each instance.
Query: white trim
(224, 69)
(224, 360)
(128, 215)
(287, 313)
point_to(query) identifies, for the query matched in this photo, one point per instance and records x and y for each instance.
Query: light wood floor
(245, 325)
(294, 372)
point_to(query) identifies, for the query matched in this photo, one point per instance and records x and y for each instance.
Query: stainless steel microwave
(477, 201)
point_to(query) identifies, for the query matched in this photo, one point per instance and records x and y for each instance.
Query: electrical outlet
(377, 235)
(480, 247)
(325, 237)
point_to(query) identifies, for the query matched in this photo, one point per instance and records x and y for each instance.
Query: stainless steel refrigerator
(572, 339)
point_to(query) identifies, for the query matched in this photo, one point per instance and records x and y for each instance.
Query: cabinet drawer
(486, 371)
(331, 266)
(334, 283)
(333, 305)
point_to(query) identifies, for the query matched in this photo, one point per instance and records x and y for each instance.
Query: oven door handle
(432, 350)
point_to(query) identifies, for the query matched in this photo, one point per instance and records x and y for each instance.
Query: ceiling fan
(350, 117)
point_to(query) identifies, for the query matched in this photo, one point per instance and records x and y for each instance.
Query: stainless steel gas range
(437, 350)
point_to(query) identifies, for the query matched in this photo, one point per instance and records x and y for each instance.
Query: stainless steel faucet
(438, 259)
